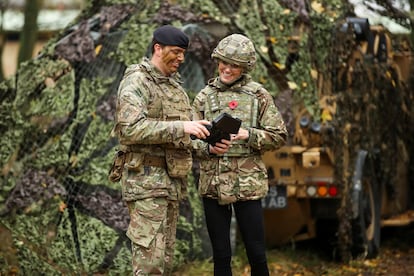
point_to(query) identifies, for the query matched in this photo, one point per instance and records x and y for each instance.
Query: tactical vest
(168, 102)
(241, 103)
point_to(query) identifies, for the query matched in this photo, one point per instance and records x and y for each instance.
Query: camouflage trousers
(152, 231)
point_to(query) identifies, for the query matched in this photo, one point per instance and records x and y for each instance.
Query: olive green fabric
(150, 108)
(240, 174)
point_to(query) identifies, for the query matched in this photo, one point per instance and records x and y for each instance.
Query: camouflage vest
(240, 103)
(168, 102)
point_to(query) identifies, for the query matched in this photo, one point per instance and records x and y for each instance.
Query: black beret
(172, 36)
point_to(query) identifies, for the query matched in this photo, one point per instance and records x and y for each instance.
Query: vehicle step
(399, 220)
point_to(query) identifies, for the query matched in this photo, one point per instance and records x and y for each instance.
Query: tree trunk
(29, 33)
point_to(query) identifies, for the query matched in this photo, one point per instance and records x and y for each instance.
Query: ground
(311, 259)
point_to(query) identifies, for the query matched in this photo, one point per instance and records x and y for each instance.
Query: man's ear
(157, 48)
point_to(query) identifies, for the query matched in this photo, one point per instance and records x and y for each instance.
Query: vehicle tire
(366, 227)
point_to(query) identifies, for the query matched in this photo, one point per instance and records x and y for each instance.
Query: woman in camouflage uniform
(237, 178)
(153, 125)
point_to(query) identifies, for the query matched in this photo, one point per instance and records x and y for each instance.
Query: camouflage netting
(60, 214)
(374, 115)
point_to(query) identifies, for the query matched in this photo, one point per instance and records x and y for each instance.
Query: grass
(312, 258)
(307, 260)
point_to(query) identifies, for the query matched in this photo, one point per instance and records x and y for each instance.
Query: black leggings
(249, 216)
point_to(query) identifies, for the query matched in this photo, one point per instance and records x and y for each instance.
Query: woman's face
(228, 72)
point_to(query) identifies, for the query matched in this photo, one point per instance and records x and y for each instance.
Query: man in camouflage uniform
(237, 178)
(153, 125)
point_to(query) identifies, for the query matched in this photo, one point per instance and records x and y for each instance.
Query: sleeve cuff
(251, 134)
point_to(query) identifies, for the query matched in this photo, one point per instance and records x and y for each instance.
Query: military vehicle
(345, 172)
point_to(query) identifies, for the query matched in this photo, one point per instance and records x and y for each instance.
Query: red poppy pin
(233, 104)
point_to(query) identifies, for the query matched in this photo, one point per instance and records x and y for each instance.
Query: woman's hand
(220, 147)
(243, 134)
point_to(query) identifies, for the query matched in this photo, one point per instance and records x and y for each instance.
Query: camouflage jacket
(150, 108)
(240, 174)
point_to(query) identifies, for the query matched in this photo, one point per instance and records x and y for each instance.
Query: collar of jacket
(156, 74)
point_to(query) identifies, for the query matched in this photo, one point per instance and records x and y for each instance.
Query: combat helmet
(236, 49)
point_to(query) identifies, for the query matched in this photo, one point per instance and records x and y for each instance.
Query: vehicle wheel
(366, 227)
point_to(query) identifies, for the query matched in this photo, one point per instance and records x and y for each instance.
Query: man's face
(171, 58)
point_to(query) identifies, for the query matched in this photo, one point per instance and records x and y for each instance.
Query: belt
(154, 161)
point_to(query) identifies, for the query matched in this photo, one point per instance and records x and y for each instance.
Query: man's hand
(197, 128)
(220, 147)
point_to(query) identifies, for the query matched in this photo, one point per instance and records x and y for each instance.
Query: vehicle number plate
(276, 198)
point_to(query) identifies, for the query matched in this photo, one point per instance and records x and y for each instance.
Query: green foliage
(133, 47)
(32, 77)
(138, 36)
(45, 248)
(122, 263)
(91, 92)
(54, 153)
(306, 91)
(30, 112)
(96, 239)
(9, 145)
(206, 8)
(124, 2)
(34, 232)
(33, 264)
(8, 184)
(189, 244)
(250, 20)
(95, 171)
(321, 38)
(54, 101)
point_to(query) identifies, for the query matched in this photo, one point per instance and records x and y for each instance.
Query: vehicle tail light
(322, 190)
(321, 187)
(333, 191)
(311, 191)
